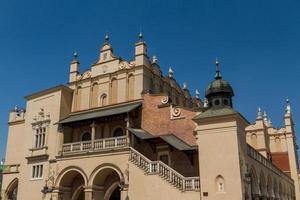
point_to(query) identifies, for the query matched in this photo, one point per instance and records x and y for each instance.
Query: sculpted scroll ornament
(165, 100)
(86, 74)
(126, 65)
(175, 112)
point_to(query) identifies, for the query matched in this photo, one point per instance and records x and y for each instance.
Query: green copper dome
(219, 86)
(219, 92)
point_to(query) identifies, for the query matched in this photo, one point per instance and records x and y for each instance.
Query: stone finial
(205, 103)
(269, 122)
(184, 86)
(287, 107)
(16, 109)
(171, 73)
(197, 94)
(154, 59)
(259, 113)
(265, 118)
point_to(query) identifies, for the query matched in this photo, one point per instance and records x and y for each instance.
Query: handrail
(99, 144)
(172, 176)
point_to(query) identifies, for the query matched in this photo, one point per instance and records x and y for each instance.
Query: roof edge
(46, 91)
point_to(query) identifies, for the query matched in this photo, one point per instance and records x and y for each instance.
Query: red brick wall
(281, 160)
(157, 120)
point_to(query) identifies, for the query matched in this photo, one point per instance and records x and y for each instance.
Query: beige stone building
(123, 131)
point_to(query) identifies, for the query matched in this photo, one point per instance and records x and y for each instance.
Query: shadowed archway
(106, 184)
(12, 190)
(71, 185)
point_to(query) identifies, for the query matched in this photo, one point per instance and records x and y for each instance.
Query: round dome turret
(219, 92)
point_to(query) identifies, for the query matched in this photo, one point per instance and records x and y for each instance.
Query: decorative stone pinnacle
(205, 103)
(171, 73)
(270, 122)
(154, 59)
(184, 85)
(288, 107)
(265, 118)
(197, 94)
(259, 114)
(16, 109)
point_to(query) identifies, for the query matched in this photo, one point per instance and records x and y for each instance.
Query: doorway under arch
(71, 186)
(106, 185)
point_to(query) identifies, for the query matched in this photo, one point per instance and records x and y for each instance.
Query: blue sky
(257, 43)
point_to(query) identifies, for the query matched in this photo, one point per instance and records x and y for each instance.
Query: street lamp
(46, 189)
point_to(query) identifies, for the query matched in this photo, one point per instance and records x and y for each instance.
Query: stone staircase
(165, 172)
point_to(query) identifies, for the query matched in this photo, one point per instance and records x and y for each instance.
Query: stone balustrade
(264, 161)
(166, 172)
(96, 145)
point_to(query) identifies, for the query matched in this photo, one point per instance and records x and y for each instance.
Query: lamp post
(46, 189)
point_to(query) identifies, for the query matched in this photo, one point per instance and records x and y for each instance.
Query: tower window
(217, 102)
(225, 102)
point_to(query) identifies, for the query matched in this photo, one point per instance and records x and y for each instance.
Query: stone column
(127, 131)
(54, 195)
(88, 194)
(93, 133)
(60, 140)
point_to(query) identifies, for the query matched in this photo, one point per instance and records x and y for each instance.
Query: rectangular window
(37, 172)
(40, 137)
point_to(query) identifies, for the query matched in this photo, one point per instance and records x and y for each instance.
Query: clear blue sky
(257, 43)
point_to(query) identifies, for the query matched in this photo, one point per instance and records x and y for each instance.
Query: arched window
(118, 132)
(130, 87)
(86, 136)
(12, 190)
(103, 100)
(94, 96)
(114, 91)
(220, 184)
(78, 98)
